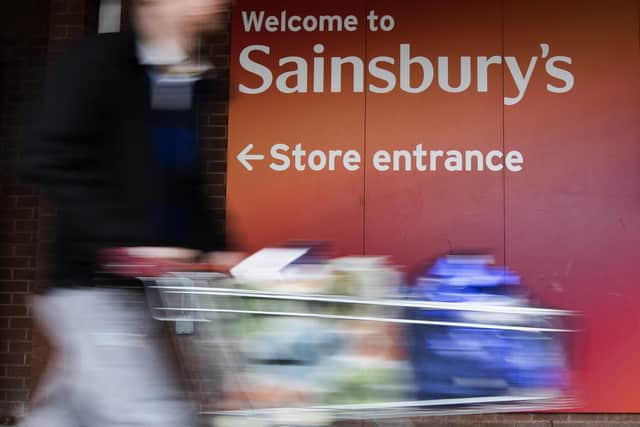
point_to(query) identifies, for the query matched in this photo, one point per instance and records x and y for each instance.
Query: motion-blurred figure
(116, 151)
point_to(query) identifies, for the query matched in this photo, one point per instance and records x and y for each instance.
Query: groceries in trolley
(486, 340)
(302, 271)
(316, 347)
(293, 328)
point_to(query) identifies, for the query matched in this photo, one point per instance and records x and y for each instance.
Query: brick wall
(23, 54)
(68, 20)
(24, 220)
(42, 30)
(214, 125)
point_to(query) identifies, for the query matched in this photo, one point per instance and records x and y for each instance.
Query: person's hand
(224, 261)
(146, 261)
(163, 253)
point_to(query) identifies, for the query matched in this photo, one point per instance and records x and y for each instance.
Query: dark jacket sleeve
(64, 154)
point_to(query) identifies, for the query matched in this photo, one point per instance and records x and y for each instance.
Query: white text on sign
(297, 158)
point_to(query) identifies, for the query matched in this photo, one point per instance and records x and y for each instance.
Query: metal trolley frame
(189, 299)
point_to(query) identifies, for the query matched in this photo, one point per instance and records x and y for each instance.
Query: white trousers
(113, 370)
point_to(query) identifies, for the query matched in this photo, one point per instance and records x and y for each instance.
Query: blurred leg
(115, 372)
(53, 413)
(52, 404)
(127, 376)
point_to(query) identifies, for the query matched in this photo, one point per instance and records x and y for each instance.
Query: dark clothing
(176, 154)
(93, 155)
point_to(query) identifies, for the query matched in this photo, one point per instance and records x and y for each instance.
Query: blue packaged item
(472, 358)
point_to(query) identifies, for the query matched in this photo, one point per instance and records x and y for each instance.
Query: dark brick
(220, 38)
(59, 6)
(584, 418)
(25, 250)
(47, 210)
(516, 418)
(217, 155)
(14, 286)
(595, 423)
(216, 192)
(22, 323)
(24, 274)
(622, 417)
(20, 347)
(46, 236)
(18, 190)
(9, 407)
(75, 31)
(214, 143)
(22, 78)
(56, 48)
(7, 224)
(221, 61)
(77, 6)
(12, 359)
(217, 120)
(11, 383)
(16, 237)
(216, 179)
(214, 132)
(26, 225)
(17, 396)
(14, 334)
(219, 49)
(60, 32)
(14, 262)
(18, 371)
(6, 252)
(19, 299)
(218, 108)
(70, 18)
(517, 423)
(216, 167)
(13, 311)
(9, 202)
(217, 203)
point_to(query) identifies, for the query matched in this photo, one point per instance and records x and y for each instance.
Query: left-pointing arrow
(244, 157)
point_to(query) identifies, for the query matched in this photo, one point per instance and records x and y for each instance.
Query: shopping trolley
(279, 358)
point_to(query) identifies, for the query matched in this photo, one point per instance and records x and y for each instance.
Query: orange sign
(411, 128)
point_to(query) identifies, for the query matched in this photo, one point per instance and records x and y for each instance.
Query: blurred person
(116, 151)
